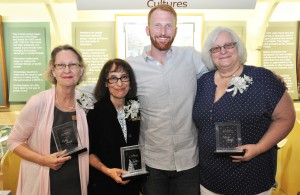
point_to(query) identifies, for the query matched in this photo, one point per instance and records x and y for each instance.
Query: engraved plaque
(132, 161)
(228, 137)
(66, 137)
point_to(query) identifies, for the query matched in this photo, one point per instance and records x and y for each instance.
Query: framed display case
(131, 34)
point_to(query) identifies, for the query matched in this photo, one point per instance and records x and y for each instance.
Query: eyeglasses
(72, 66)
(113, 80)
(225, 46)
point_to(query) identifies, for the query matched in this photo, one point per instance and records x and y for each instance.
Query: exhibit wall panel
(96, 42)
(27, 51)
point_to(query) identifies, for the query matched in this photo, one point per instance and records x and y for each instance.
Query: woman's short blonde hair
(49, 76)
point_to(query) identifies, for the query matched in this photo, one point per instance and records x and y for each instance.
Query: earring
(53, 74)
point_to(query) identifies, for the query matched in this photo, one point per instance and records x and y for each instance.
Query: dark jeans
(161, 182)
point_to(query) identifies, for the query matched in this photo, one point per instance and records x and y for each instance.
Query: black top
(106, 139)
(66, 180)
(253, 109)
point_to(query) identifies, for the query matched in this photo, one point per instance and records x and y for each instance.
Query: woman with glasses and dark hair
(113, 123)
(241, 113)
(43, 170)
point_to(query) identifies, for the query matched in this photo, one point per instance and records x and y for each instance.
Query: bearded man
(167, 77)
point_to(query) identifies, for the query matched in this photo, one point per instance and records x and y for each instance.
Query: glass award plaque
(228, 137)
(132, 161)
(66, 137)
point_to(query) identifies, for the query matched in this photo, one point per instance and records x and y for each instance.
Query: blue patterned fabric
(253, 109)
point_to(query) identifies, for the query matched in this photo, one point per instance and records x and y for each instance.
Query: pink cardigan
(34, 124)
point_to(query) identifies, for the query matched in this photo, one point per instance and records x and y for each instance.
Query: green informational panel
(96, 42)
(27, 50)
(279, 52)
(3, 91)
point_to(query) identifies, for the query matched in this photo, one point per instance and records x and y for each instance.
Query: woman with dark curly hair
(113, 123)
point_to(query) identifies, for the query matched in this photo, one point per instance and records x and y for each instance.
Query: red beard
(162, 46)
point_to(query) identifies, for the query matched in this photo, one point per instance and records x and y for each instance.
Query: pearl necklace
(230, 76)
(65, 110)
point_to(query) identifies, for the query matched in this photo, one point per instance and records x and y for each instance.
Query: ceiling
(74, 1)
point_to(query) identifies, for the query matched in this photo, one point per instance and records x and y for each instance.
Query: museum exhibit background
(102, 30)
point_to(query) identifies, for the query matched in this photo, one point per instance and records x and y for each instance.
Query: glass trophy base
(74, 152)
(128, 176)
(230, 152)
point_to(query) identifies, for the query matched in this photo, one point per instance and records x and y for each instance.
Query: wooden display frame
(131, 34)
(3, 76)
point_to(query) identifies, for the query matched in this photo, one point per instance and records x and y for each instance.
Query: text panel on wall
(96, 42)
(27, 47)
(279, 53)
